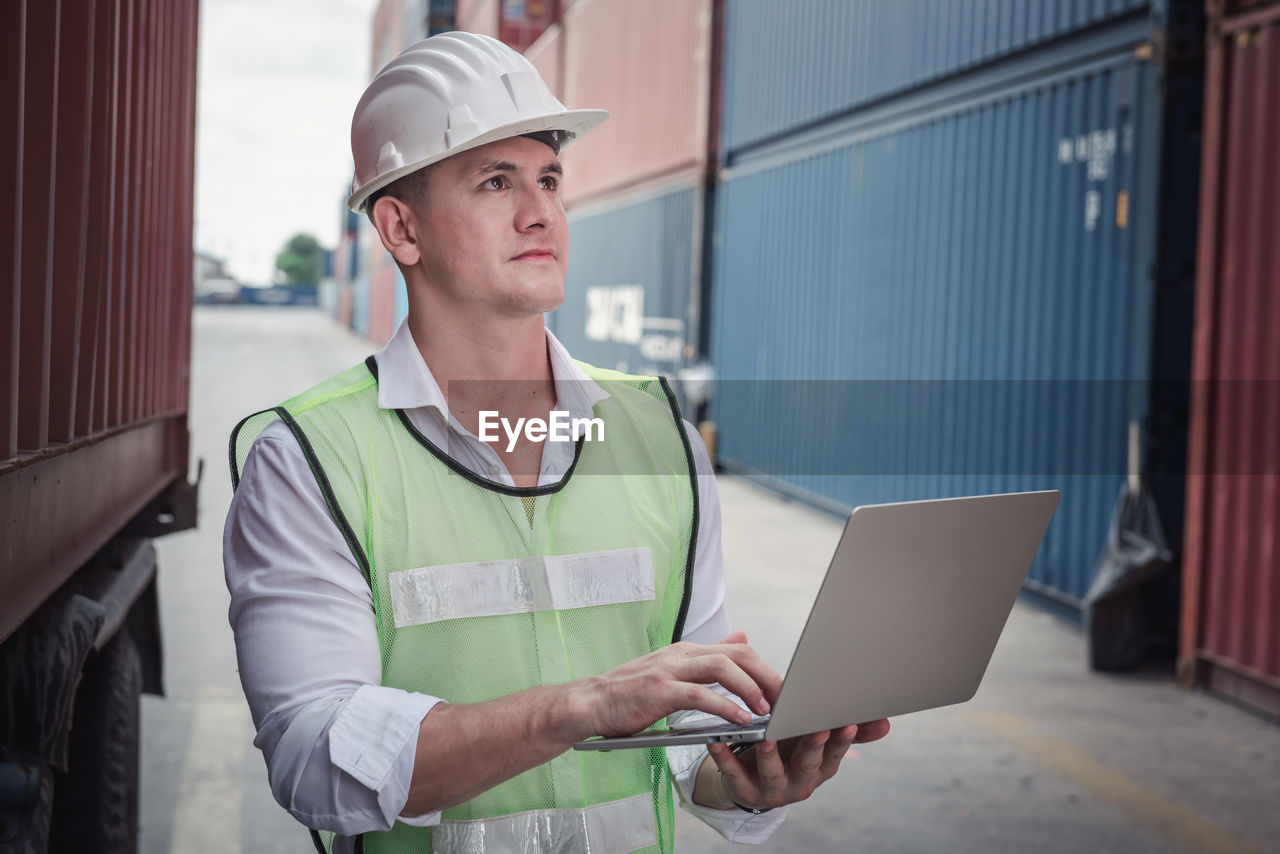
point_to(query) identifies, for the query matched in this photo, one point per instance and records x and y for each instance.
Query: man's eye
(496, 183)
(549, 182)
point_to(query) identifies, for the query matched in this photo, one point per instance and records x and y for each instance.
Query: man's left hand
(773, 774)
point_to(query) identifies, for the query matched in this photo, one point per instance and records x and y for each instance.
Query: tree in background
(301, 261)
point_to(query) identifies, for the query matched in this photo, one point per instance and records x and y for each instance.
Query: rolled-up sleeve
(339, 747)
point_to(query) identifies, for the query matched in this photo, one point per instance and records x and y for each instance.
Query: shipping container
(631, 293)
(399, 23)
(1231, 588)
(377, 301)
(522, 22)
(96, 232)
(655, 82)
(345, 300)
(360, 305)
(441, 16)
(1218, 8)
(346, 264)
(382, 295)
(547, 55)
(789, 65)
(387, 33)
(479, 16)
(971, 288)
(400, 308)
(405, 21)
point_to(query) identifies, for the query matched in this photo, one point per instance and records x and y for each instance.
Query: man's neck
(502, 365)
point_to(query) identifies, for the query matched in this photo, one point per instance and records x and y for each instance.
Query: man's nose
(537, 209)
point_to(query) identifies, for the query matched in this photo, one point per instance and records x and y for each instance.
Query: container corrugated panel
(97, 151)
(479, 16)
(1232, 7)
(344, 305)
(791, 64)
(387, 33)
(382, 303)
(522, 22)
(630, 283)
(442, 17)
(654, 83)
(1231, 604)
(547, 56)
(360, 305)
(382, 275)
(954, 303)
(401, 308)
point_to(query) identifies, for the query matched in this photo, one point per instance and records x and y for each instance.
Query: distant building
(212, 282)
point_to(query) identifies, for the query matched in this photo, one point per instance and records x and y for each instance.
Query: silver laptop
(907, 617)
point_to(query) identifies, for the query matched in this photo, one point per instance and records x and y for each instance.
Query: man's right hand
(632, 696)
(468, 748)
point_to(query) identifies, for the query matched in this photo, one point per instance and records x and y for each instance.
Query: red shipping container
(1231, 587)
(97, 152)
(656, 84)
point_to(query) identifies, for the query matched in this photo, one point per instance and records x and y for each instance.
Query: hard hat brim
(576, 123)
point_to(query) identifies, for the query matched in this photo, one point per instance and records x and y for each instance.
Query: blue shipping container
(401, 309)
(788, 65)
(630, 294)
(956, 300)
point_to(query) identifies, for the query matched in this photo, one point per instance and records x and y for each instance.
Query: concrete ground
(1048, 756)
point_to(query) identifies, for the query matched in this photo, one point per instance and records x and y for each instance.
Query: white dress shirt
(339, 746)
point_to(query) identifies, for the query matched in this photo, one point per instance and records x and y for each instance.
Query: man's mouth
(536, 255)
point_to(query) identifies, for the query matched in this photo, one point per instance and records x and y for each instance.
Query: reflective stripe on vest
(520, 586)
(615, 826)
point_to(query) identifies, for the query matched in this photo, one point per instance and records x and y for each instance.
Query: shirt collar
(405, 382)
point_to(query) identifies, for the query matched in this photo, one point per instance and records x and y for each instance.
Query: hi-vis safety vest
(476, 598)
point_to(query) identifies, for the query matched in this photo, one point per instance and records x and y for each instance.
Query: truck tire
(95, 802)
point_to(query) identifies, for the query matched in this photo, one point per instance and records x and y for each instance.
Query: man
(426, 621)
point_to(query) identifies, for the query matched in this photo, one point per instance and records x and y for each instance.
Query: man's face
(494, 235)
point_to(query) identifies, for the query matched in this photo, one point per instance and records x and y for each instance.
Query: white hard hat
(447, 94)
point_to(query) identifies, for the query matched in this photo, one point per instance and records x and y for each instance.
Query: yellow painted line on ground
(210, 796)
(1182, 827)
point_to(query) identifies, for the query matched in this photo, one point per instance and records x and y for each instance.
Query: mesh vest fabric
(626, 512)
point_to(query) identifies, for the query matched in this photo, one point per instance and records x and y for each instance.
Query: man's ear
(397, 226)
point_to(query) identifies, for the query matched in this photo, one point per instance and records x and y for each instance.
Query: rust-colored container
(97, 155)
(655, 83)
(1231, 591)
(479, 16)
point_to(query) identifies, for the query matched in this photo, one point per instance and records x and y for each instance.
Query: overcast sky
(278, 82)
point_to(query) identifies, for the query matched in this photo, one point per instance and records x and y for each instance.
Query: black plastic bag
(1136, 553)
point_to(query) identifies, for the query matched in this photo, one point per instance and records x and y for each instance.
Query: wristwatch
(738, 748)
(752, 810)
